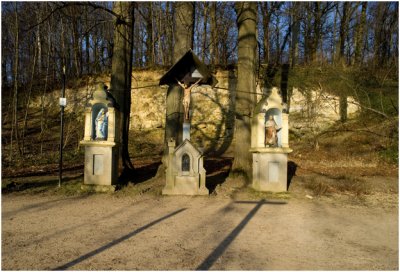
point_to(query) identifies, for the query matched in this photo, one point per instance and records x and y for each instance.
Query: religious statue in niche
(271, 129)
(186, 95)
(101, 124)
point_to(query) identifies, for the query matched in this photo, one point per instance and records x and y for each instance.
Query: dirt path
(103, 232)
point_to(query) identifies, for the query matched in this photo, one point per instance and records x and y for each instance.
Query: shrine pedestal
(270, 169)
(270, 161)
(101, 159)
(100, 142)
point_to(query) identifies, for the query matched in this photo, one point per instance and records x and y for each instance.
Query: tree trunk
(247, 42)
(317, 31)
(295, 33)
(121, 72)
(14, 125)
(183, 24)
(334, 42)
(28, 100)
(213, 43)
(39, 41)
(42, 99)
(184, 28)
(204, 38)
(266, 21)
(150, 38)
(160, 32)
(87, 42)
(307, 35)
(170, 32)
(343, 32)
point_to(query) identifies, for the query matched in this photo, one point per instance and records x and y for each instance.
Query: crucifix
(187, 89)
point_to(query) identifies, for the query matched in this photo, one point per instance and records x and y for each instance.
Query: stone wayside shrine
(185, 174)
(270, 143)
(100, 142)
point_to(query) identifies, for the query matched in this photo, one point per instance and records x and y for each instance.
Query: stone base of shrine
(270, 171)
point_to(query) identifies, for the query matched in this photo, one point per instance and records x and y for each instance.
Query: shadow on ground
(292, 167)
(217, 171)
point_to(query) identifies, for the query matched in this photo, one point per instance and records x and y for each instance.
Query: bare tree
(247, 42)
(15, 127)
(183, 23)
(183, 28)
(121, 74)
(360, 34)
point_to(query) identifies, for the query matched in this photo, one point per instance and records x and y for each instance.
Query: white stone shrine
(270, 143)
(100, 140)
(185, 174)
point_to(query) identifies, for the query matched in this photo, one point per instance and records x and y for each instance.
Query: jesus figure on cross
(186, 95)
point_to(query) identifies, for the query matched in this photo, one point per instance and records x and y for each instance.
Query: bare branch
(70, 4)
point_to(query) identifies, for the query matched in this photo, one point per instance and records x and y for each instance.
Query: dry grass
(322, 186)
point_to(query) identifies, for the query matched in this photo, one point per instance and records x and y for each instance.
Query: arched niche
(277, 115)
(99, 122)
(269, 105)
(185, 163)
(101, 102)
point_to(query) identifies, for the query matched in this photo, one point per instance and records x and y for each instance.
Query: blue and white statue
(102, 124)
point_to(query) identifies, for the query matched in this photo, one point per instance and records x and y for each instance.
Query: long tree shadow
(63, 231)
(115, 242)
(220, 249)
(42, 205)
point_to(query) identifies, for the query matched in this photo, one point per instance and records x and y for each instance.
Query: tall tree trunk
(96, 61)
(170, 32)
(87, 42)
(160, 32)
(75, 39)
(266, 20)
(14, 125)
(247, 42)
(121, 73)
(213, 43)
(307, 35)
(39, 40)
(150, 37)
(335, 45)
(317, 30)
(28, 100)
(295, 33)
(359, 36)
(204, 38)
(183, 24)
(184, 28)
(343, 32)
(42, 99)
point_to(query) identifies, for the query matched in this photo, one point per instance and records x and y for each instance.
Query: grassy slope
(365, 146)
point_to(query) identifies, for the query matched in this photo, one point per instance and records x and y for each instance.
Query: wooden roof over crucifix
(189, 69)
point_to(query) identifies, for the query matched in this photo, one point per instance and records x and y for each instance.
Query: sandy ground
(104, 232)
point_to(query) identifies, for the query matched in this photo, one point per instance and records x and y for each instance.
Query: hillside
(365, 144)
